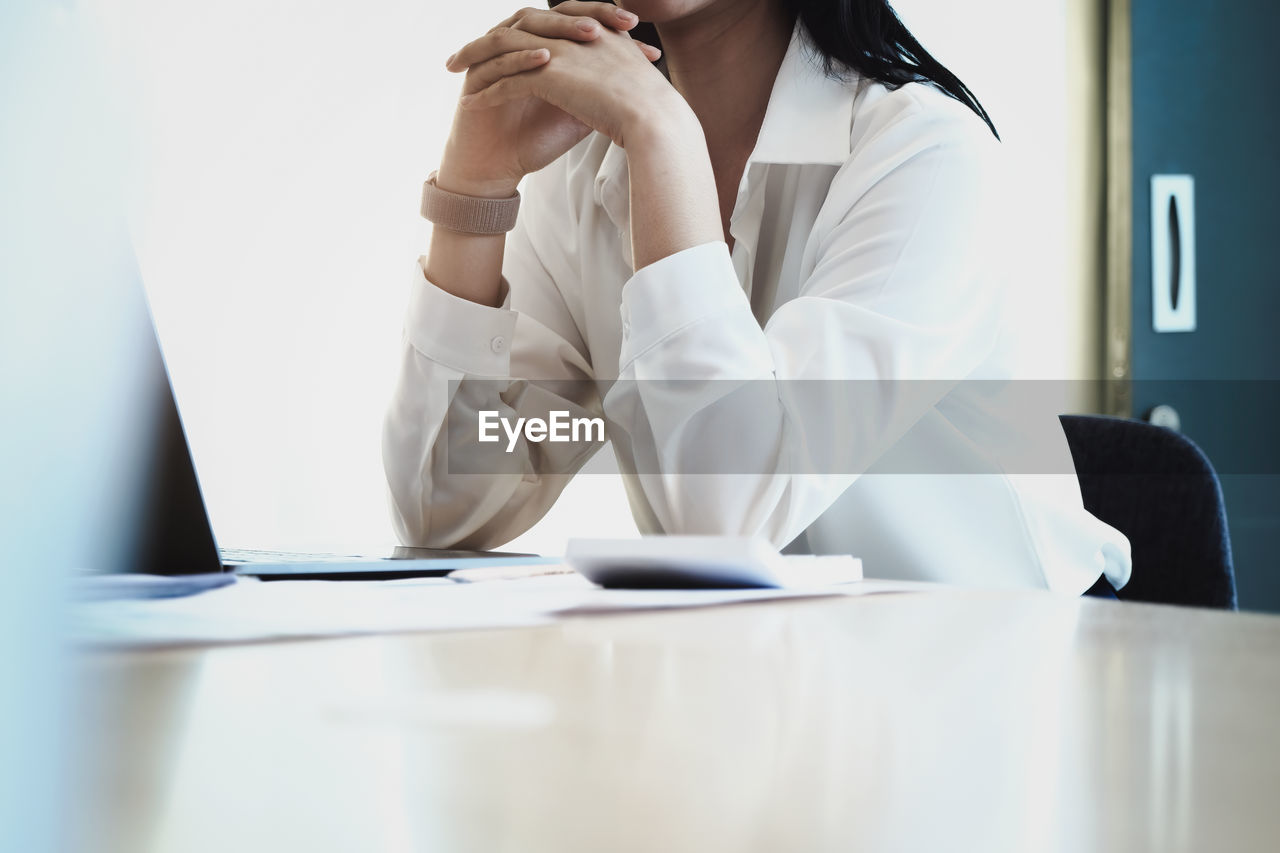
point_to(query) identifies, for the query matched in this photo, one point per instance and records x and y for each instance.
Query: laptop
(158, 492)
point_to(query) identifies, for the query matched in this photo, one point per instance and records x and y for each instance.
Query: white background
(274, 211)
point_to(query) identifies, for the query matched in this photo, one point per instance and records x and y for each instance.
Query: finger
(489, 45)
(550, 24)
(651, 53)
(504, 90)
(517, 15)
(606, 13)
(485, 74)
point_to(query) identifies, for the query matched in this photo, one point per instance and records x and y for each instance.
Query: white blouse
(863, 255)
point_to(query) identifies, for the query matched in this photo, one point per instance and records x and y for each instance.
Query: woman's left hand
(607, 83)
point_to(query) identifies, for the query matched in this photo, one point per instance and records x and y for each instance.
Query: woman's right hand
(490, 150)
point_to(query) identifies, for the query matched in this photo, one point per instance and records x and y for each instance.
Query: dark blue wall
(1205, 103)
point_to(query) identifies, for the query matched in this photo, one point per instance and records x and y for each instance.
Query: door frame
(1117, 304)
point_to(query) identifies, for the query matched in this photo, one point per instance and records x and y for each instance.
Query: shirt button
(498, 344)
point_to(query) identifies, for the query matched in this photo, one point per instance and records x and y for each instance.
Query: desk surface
(937, 721)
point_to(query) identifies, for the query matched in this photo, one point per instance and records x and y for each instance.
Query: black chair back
(1157, 488)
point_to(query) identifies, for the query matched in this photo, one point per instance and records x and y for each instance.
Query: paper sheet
(251, 610)
(595, 600)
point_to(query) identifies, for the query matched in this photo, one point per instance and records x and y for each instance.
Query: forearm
(673, 190)
(449, 489)
(468, 266)
(429, 436)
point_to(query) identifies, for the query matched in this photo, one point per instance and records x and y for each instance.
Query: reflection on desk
(939, 721)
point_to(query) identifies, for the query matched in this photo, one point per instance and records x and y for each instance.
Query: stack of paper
(251, 610)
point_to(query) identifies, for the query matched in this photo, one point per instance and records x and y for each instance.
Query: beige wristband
(467, 213)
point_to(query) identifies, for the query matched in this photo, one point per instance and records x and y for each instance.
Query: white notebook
(707, 562)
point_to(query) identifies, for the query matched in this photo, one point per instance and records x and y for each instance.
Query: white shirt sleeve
(459, 358)
(899, 288)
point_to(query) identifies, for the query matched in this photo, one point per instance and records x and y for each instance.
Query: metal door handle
(1175, 253)
(1164, 415)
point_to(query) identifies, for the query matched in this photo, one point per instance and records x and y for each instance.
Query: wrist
(674, 200)
(455, 179)
(661, 123)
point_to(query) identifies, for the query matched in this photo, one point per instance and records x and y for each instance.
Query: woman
(796, 198)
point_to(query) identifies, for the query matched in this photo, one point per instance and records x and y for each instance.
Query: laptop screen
(120, 435)
(166, 508)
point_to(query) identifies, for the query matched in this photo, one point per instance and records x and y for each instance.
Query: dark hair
(866, 36)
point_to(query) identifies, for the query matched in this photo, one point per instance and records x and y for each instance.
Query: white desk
(932, 722)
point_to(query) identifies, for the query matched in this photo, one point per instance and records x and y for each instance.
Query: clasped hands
(544, 78)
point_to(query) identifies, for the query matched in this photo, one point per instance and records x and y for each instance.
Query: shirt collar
(807, 121)
(810, 115)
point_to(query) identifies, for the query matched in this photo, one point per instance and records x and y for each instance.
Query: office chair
(1157, 488)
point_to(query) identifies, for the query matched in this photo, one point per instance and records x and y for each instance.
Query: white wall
(274, 214)
(1014, 55)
